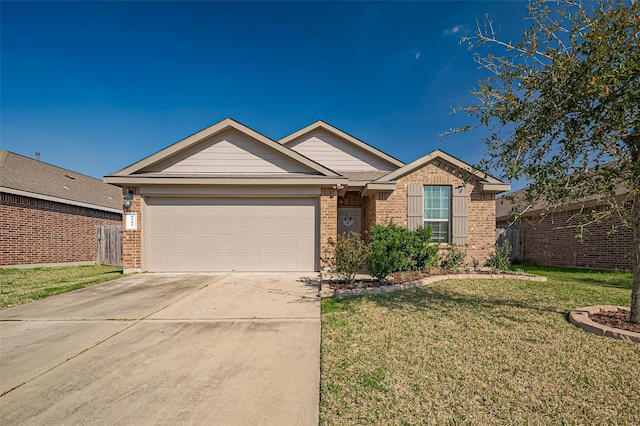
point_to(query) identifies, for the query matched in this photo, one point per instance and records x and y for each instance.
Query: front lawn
(479, 352)
(19, 286)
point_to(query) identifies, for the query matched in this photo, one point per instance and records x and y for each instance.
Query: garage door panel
(171, 226)
(231, 234)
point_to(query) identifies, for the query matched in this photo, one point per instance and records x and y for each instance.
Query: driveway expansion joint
(68, 359)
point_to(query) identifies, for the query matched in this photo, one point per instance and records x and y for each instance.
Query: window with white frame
(437, 212)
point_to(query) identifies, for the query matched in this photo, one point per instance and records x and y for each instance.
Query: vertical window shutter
(415, 206)
(459, 215)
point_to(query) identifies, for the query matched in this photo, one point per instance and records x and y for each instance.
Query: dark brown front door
(349, 220)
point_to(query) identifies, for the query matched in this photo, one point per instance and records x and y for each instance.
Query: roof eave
(490, 183)
(494, 188)
(221, 126)
(58, 200)
(373, 188)
(328, 127)
(137, 180)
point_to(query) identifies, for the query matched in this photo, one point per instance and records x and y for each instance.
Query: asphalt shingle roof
(26, 174)
(364, 176)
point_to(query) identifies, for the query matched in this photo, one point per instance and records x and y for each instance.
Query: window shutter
(459, 215)
(415, 206)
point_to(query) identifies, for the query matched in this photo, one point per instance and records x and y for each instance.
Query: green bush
(395, 248)
(453, 259)
(385, 250)
(346, 256)
(425, 253)
(500, 258)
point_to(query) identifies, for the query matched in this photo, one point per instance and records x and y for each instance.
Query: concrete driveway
(234, 349)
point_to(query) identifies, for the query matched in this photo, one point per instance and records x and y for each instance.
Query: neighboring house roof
(292, 140)
(25, 176)
(507, 205)
(487, 183)
(227, 152)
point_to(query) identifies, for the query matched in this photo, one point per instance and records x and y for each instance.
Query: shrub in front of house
(425, 252)
(500, 258)
(346, 256)
(395, 248)
(453, 258)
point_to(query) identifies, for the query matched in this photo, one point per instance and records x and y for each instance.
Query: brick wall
(481, 206)
(368, 216)
(132, 239)
(482, 226)
(552, 241)
(328, 217)
(34, 231)
(350, 199)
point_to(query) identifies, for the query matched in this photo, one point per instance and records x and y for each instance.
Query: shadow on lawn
(609, 279)
(436, 299)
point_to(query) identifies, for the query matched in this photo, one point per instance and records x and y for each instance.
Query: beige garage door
(209, 234)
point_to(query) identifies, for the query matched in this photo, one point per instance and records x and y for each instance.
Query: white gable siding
(230, 152)
(336, 153)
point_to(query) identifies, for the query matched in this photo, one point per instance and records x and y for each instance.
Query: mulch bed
(619, 319)
(396, 278)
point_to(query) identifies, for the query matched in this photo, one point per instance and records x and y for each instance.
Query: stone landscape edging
(328, 292)
(580, 318)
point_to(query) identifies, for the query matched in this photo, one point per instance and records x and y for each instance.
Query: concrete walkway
(235, 349)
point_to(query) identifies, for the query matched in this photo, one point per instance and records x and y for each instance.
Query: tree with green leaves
(562, 107)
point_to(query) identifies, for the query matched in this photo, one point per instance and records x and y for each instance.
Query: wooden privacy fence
(109, 245)
(515, 238)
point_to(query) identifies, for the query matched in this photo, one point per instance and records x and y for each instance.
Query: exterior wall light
(127, 200)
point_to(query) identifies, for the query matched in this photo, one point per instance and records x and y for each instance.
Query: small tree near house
(346, 256)
(562, 106)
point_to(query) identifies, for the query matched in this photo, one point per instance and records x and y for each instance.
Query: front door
(349, 220)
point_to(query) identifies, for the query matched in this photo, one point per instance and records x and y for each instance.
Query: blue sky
(96, 86)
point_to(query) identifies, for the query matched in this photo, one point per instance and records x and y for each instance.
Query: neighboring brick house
(228, 198)
(549, 236)
(49, 214)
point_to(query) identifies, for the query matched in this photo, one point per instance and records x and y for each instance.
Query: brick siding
(368, 216)
(379, 208)
(350, 199)
(328, 218)
(132, 239)
(383, 207)
(552, 241)
(34, 231)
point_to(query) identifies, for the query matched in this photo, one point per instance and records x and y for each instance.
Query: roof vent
(69, 177)
(37, 156)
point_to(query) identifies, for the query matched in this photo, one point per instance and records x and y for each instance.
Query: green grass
(479, 352)
(19, 285)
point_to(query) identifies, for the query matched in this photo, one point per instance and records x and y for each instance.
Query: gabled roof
(36, 179)
(143, 171)
(488, 183)
(515, 202)
(355, 141)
